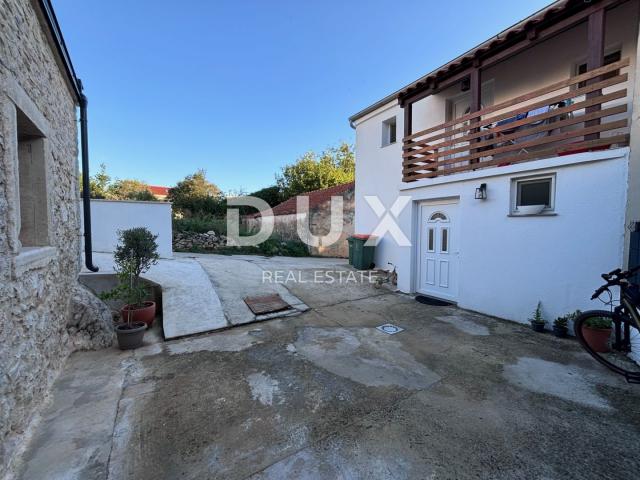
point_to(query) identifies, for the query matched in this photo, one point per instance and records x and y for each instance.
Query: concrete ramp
(189, 302)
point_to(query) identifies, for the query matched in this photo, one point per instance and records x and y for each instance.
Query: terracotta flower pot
(597, 338)
(144, 314)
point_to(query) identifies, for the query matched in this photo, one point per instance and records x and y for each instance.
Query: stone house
(285, 215)
(44, 313)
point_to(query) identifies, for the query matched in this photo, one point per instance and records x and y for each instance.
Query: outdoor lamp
(481, 192)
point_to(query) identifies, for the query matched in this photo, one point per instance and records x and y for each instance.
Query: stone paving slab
(235, 278)
(190, 304)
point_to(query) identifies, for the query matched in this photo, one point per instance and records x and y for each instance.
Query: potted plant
(135, 253)
(537, 322)
(560, 326)
(596, 332)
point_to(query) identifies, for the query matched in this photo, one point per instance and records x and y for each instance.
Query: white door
(438, 251)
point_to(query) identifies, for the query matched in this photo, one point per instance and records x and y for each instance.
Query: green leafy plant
(560, 322)
(600, 323)
(135, 253)
(536, 317)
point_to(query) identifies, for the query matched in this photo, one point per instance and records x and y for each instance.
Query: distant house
(520, 160)
(319, 220)
(159, 192)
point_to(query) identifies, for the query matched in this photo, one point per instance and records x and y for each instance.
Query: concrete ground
(325, 395)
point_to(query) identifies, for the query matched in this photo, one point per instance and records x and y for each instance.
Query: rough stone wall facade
(320, 224)
(36, 284)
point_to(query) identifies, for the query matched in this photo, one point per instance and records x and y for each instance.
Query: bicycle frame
(626, 308)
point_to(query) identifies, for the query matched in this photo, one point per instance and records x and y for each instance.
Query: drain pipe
(86, 202)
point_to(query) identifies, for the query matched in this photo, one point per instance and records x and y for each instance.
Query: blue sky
(241, 88)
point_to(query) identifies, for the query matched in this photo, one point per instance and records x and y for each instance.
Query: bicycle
(624, 321)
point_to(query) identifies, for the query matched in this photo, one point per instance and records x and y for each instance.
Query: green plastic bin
(360, 255)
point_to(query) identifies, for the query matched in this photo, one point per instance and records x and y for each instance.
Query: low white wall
(109, 216)
(507, 264)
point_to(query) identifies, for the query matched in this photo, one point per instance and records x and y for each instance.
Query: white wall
(507, 264)
(109, 216)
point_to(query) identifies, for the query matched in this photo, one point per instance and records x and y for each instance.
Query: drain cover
(390, 329)
(266, 304)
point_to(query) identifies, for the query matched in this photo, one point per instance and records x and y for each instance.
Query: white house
(520, 160)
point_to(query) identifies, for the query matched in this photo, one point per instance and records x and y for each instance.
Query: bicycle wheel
(619, 351)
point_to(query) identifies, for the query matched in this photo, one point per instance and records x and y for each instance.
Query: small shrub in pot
(135, 253)
(537, 321)
(560, 326)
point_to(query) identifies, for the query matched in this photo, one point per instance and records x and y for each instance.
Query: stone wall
(285, 228)
(36, 283)
(320, 224)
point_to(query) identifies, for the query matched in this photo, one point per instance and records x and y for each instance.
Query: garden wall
(109, 216)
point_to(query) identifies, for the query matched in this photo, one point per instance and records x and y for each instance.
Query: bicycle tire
(632, 376)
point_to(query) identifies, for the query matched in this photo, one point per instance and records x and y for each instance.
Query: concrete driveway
(325, 395)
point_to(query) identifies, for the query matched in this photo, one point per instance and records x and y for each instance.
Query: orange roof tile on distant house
(159, 191)
(316, 198)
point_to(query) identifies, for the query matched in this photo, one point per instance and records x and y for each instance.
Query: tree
(128, 189)
(98, 183)
(195, 194)
(334, 166)
(271, 195)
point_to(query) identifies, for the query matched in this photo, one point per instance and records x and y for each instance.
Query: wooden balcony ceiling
(542, 25)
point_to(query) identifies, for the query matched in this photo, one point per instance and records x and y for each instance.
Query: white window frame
(386, 131)
(515, 183)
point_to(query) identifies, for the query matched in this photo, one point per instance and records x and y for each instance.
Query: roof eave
(55, 35)
(453, 64)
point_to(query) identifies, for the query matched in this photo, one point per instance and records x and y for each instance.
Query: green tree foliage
(196, 194)
(102, 186)
(128, 189)
(332, 167)
(98, 183)
(271, 195)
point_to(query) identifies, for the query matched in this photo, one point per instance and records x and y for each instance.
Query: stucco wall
(35, 284)
(109, 216)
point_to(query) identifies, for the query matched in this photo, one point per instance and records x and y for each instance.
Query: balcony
(582, 113)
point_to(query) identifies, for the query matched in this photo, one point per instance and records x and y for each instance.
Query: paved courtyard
(325, 395)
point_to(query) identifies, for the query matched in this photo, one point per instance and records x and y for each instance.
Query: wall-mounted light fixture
(481, 192)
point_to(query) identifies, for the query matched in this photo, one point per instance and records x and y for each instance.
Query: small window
(438, 216)
(389, 131)
(533, 192)
(430, 241)
(608, 59)
(32, 204)
(444, 241)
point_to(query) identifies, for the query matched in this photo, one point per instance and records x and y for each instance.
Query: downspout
(86, 202)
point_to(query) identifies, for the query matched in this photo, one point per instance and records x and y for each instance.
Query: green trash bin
(361, 255)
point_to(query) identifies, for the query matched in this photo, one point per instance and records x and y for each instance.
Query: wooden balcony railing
(564, 117)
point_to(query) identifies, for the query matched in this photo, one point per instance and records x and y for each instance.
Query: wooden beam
(475, 82)
(536, 93)
(551, 152)
(436, 87)
(595, 57)
(408, 119)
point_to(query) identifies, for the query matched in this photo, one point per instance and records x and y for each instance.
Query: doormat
(432, 301)
(390, 329)
(266, 304)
